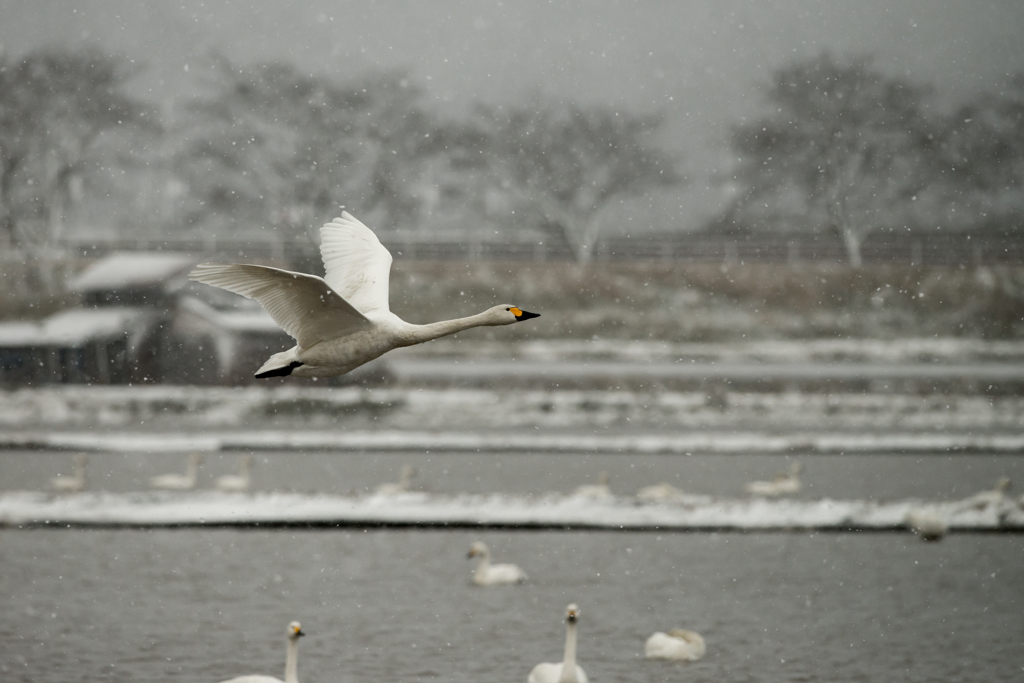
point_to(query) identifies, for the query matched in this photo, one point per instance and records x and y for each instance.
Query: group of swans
(230, 483)
(932, 525)
(342, 320)
(173, 481)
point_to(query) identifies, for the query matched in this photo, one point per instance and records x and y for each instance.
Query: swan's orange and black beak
(522, 315)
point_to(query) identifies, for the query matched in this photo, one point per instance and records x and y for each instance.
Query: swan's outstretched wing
(358, 265)
(303, 305)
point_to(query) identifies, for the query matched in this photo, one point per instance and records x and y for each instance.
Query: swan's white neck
(291, 662)
(417, 334)
(569, 659)
(484, 565)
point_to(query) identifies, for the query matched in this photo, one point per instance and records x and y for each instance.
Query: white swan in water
(567, 670)
(598, 490)
(780, 484)
(342, 320)
(488, 574)
(928, 525)
(401, 486)
(237, 482)
(291, 662)
(678, 644)
(994, 497)
(179, 482)
(76, 482)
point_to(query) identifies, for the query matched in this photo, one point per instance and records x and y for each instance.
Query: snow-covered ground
(549, 511)
(148, 408)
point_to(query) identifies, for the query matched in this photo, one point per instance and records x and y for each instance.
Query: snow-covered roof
(73, 327)
(125, 270)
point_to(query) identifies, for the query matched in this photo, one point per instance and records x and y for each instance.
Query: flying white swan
(342, 320)
(392, 488)
(928, 525)
(237, 482)
(678, 644)
(565, 671)
(488, 574)
(291, 662)
(993, 497)
(779, 485)
(76, 482)
(179, 482)
(598, 490)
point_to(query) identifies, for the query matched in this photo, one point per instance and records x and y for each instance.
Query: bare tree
(272, 145)
(566, 163)
(853, 144)
(56, 108)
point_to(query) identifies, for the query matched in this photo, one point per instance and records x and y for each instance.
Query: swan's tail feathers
(279, 365)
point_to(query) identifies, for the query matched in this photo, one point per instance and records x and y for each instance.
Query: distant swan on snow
(237, 482)
(488, 574)
(659, 492)
(399, 487)
(678, 644)
(291, 662)
(565, 671)
(76, 482)
(780, 484)
(994, 496)
(929, 526)
(179, 482)
(343, 319)
(598, 490)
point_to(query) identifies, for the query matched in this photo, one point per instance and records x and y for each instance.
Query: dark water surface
(204, 605)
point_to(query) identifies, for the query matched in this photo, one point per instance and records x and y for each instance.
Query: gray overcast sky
(702, 62)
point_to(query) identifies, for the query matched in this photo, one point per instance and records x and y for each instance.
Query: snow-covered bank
(408, 440)
(172, 408)
(210, 508)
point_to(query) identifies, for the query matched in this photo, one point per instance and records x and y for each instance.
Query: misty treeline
(842, 148)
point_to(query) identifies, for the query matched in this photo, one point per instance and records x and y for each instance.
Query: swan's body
(598, 490)
(659, 492)
(781, 484)
(678, 644)
(487, 574)
(565, 671)
(928, 525)
(237, 482)
(393, 488)
(342, 320)
(291, 662)
(76, 482)
(179, 482)
(994, 497)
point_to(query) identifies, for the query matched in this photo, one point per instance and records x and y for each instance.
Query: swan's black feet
(279, 372)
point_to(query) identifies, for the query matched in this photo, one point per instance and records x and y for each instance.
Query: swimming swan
(74, 483)
(392, 488)
(488, 574)
(779, 485)
(291, 662)
(237, 482)
(179, 482)
(342, 320)
(598, 490)
(565, 671)
(678, 644)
